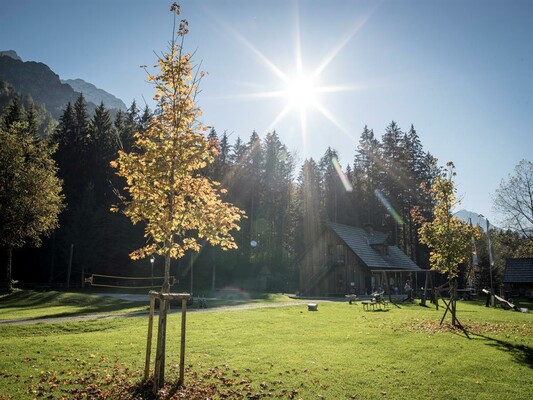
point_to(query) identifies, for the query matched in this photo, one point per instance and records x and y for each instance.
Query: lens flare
(344, 179)
(389, 207)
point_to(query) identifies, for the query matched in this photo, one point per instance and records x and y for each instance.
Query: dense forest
(286, 201)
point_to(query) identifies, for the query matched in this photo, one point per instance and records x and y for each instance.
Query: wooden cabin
(353, 260)
(518, 277)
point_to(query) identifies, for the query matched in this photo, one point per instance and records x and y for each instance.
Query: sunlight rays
(342, 43)
(301, 89)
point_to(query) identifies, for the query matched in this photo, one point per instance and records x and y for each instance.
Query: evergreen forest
(287, 201)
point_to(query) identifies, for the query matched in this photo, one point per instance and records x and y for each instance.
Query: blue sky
(460, 71)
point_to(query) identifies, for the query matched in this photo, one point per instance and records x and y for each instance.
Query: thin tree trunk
(453, 300)
(8, 268)
(159, 371)
(70, 264)
(52, 259)
(166, 281)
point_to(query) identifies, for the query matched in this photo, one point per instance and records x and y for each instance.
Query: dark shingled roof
(518, 270)
(360, 242)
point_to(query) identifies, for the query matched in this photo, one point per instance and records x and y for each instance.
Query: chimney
(369, 228)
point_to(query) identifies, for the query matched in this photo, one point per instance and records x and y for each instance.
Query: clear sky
(460, 71)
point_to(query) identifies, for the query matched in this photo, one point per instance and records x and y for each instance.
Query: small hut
(518, 277)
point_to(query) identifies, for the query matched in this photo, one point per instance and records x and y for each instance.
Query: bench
(380, 305)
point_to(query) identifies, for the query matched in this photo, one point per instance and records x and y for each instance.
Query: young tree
(449, 239)
(167, 191)
(30, 192)
(514, 199)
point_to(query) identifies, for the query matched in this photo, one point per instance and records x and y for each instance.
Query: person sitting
(408, 290)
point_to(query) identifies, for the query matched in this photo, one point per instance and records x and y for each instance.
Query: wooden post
(149, 339)
(182, 349)
(159, 371)
(434, 296)
(385, 277)
(424, 295)
(164, 306)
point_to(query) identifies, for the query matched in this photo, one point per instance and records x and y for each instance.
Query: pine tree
(275, 203)
(81, 118)
(309, 199)
(366, 177)
(14, 112)
(393, 178)
(101, 149)
(329, 185)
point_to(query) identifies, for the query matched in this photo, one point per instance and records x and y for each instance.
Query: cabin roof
(518, 270)
(363, 243)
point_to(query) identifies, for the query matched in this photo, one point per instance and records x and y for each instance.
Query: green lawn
(338, 352)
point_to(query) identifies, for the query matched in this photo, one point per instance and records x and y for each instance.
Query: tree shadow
(521, 353)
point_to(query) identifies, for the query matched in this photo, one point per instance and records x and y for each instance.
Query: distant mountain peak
(95, 95)
(38, 81)
(476, 219)
(10, 53)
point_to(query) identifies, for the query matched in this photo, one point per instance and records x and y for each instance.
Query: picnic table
(376, 302)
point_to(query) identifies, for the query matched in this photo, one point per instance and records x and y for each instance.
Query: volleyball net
(128, 282)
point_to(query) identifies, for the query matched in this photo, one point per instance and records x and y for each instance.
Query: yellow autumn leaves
(449, 239)
(165, 185)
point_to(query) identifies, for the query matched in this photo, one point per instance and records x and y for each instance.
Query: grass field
(338, 352)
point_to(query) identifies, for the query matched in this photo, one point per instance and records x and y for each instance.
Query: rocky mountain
(94, 94)
(11, 53)
(37, 81)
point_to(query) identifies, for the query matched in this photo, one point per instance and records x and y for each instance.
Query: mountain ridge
(45, 87)
(94, 94)
(474, 218)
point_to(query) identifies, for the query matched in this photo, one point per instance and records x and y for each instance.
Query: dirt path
(92, 317)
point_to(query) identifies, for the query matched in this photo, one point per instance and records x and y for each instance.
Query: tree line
(286, 202)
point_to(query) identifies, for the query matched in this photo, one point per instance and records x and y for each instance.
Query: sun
(301, 91)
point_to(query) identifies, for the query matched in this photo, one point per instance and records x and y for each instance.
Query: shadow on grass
(80, 304)
(25, 299)
(522, 354)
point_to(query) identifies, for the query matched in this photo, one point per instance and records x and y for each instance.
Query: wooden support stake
(164, 306)
(149, 339)
(424, 295)
(434, 296)
(385, 277)
(159, 371)
(182, 349)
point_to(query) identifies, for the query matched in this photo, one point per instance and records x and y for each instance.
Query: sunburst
(301, 92)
